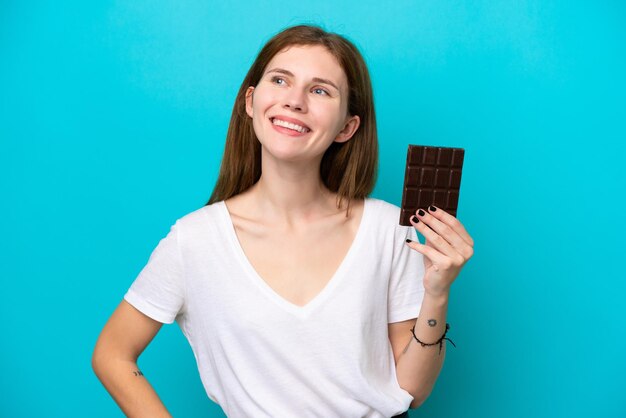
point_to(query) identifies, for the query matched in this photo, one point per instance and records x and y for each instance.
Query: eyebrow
(315, 79)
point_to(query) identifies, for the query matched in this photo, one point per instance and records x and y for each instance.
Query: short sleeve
(158, 291)
(406, 286)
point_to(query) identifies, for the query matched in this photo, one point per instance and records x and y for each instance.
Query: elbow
(416, 403)
(97, 361)
(418, 399)
(106, 354)
(419, 391)
(101, 358)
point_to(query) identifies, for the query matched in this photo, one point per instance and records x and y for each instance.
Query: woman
(297, 292)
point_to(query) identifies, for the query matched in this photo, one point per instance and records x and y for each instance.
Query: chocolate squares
(432, 177)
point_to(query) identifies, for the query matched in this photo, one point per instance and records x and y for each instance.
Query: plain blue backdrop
(112, 124)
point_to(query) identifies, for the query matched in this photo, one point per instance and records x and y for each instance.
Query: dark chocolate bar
(432, 177)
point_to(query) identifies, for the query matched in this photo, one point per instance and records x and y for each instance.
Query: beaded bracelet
(439, 341)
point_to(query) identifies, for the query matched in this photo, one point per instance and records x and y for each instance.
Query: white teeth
(289, 125)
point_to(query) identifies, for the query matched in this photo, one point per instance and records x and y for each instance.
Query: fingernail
(432, 208)
(414, 219)
(408, 240)
(421, 212)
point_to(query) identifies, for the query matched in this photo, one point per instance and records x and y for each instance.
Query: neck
(291, 193)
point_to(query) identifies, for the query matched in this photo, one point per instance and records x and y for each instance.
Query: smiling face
(299, 106)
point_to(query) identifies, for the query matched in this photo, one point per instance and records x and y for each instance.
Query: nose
(295, 99)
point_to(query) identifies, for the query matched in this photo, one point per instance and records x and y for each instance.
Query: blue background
(112, 124)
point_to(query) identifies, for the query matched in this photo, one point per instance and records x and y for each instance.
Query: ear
(350, 127)
(249, 93)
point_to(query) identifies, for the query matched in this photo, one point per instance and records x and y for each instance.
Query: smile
(289, 125)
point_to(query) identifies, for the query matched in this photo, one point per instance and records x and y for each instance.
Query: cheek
(259, 114)
(261, 104)
(333, 118)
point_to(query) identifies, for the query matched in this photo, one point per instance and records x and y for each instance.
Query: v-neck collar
(300, 311)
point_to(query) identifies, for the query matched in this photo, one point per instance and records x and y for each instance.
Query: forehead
(310, 61)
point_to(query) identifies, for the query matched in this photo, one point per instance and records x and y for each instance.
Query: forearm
(130, 389)
(418, 367)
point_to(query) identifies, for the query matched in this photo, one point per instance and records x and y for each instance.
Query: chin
(283, 153)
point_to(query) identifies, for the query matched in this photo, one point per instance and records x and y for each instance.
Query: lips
(292, 121)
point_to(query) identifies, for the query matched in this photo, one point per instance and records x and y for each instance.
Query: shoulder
(198, 215)
(384, 211)
(200, 220)
(385, 217)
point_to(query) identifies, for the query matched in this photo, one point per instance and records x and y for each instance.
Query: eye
(317, 89)
(276, 78)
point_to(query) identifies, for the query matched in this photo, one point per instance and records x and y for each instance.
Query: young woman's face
(299, 107)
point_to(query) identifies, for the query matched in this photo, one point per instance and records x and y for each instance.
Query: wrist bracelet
(439, 341)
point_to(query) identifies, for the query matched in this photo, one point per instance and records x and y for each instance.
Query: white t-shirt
(259, 355)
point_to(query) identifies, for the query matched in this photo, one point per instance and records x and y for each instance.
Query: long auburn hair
(348, 169)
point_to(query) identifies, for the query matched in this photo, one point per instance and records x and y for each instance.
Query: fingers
(452, 222)
(445, 233)
(435, 257)
(434, 239)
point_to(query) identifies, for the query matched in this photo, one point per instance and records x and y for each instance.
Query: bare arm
(417, 367)
(124, 337)
(447, 249)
